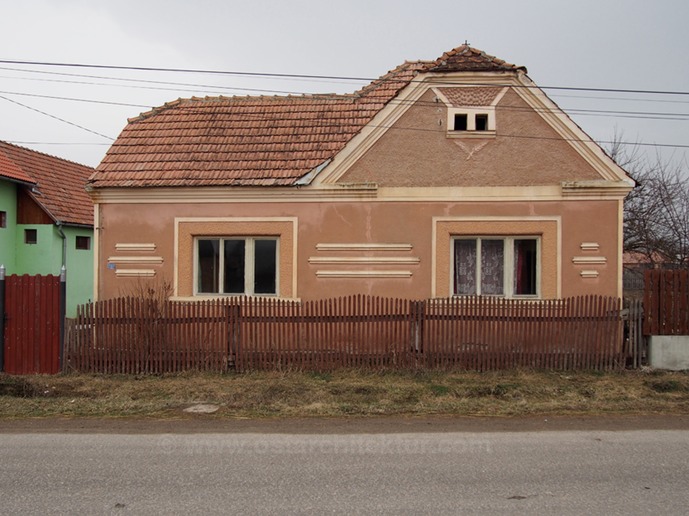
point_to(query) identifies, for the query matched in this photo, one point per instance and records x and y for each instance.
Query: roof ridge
(442, 63)
(52, 156)
(238, 98)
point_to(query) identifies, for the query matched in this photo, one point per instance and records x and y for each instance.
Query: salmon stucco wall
(385, 248)
(417, 152)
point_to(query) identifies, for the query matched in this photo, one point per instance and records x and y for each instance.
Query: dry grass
(346, 392)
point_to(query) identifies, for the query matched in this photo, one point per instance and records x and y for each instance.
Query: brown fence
(479, 333)
(666, 302)
(131, 335)
(31, 314)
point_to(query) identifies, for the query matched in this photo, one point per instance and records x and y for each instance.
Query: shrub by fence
(666, 302)
(131, 335)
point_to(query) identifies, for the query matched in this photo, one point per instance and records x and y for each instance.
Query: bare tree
(656, 211)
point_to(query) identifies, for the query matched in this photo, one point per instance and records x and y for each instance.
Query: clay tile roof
(59, 184)
(252, 141)
(468, 59)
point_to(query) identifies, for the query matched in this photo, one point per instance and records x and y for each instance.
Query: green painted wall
(79, 270)
(8, 204)
(45, 256)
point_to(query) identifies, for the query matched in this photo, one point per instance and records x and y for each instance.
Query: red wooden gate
(32, 324)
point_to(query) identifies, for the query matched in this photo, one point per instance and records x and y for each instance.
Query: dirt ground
(349, 425)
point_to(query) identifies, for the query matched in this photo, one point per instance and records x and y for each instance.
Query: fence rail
(130, 335)
(666, 302)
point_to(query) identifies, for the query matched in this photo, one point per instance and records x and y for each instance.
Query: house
(455, 176)
(46, 219)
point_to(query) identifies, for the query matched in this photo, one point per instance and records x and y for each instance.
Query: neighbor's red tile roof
(59, 184)
(257, 141)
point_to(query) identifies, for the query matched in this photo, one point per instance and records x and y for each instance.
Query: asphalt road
(583, 471)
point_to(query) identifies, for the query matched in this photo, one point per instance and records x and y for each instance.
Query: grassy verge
(343, 393)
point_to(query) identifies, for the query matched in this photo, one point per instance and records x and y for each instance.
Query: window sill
(471, 134)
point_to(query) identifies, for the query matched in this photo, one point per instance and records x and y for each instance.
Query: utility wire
(304, 76)
(57, 118)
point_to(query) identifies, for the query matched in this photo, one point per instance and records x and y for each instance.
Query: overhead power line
(299, 76)
(57, 118)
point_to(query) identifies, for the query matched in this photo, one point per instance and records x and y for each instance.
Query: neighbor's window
(3, 219)
(83, 242)
(495, 266)
(246, 265)
(30, 236)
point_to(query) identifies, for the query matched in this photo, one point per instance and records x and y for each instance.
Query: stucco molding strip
(135, 247)
(590, 246)
(135, 273)
(364, 247)
(376, 260)
(589, 260)
(364, 274)
(589, 274)
(148, 260)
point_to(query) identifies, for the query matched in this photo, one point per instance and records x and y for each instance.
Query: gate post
(63, 312)
(2, 318)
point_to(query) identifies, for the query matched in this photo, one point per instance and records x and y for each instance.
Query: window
(471, 122)
(460, 122)
(83, 242)
(3, 219)
(495, 266)
(236, 266)
(30, 236)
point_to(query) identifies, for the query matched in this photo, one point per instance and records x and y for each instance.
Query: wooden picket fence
(130, 335)
(666, 302)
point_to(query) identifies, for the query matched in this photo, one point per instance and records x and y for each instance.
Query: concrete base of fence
(669, 352)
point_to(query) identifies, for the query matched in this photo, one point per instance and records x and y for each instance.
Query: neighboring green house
(46, 219)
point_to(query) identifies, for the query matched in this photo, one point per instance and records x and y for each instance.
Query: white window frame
(508, 264)
(249, 253)
(471, 121)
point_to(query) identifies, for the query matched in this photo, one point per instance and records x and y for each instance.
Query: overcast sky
(602, 44)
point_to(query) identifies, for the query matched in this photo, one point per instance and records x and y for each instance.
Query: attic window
(471, 122)
(460, 122)
(481, 122)
(3, 219)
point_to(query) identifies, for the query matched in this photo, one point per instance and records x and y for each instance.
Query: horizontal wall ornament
(363, 247)
(364, 274)
(135, 273)
(131, 247)
(589, 274)
(589, 260)
(590, 246)
(364, 260)
(149, 260)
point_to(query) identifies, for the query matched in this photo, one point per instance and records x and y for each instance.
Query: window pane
(525, 267)
(482, 122)
(234, 266)
(460, 122)
(209, 266)
(492, 267)
(265, 266)
(465, 267)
